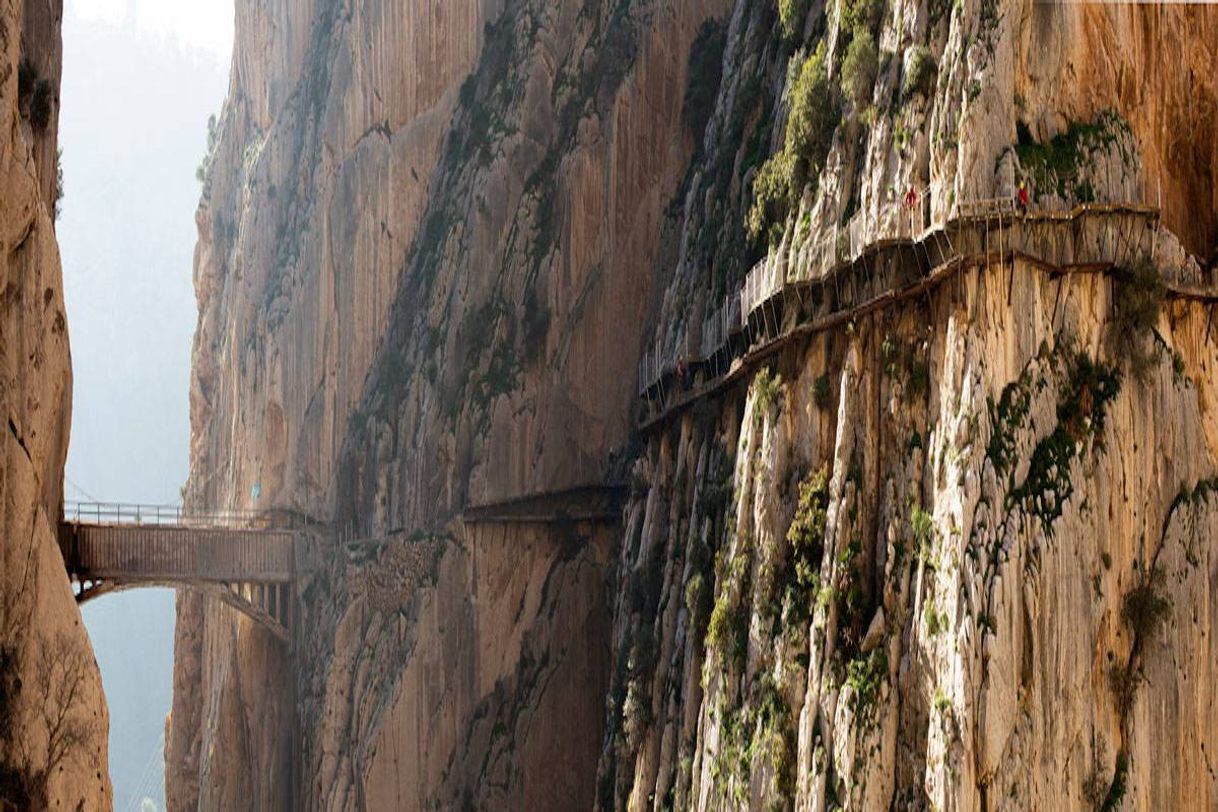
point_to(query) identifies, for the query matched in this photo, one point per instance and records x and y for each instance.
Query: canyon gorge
(925, 521)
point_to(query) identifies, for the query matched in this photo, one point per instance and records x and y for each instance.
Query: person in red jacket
(1021, 198)
(911, 206)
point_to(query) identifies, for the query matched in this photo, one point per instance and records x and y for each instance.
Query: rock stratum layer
(53, 720)
(954, 553)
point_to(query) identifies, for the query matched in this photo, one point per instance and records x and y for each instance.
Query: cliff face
(53, 721)
(956, 551)
(419, 228)
(432, 245)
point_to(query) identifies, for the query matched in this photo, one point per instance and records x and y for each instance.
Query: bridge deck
(175, 553)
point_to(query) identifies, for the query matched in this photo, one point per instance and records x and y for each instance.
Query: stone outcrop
(433, 242)
(53, 721)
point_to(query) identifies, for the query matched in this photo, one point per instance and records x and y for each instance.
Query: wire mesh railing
(126, 513)
(910, 219)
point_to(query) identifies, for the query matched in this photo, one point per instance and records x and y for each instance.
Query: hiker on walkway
(1021, 198)
(911, 204)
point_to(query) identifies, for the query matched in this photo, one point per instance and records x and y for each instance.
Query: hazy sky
(205, 25)
(139, 81)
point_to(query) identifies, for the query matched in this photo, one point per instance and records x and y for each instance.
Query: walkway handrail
(839, 246)
(123, 513)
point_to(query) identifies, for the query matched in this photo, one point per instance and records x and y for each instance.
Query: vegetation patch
(768, 390)
(1145, 608)
(859, 68)
(791, 14)
(922, 525)
(1007, 418)
(920, 73)
(1137, 295)
(904, 361)
(35, 95)
(806, 543)
(821, 393)
(865, 675)
(760, 730)
(1056, 165)
(727, 633)
(1081, 411)
(813, 117)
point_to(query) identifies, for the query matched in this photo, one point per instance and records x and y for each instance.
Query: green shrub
(862, 15)
(859, 68)
(791, 14)
(864, 675)
(42, 105)
(814, 112)
(1145, 607)
(203, 171)
(58, 183)
(27, 77)
(920, 74)
(37, 92)
(1055, 166)
(806, 537)
(1137, 294)
(697, 600)
(728, 630)
(923, 526)
(636, 712)
(769, 389)
(811, 120)
(773, 193)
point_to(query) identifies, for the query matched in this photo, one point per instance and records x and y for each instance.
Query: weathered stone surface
(421, 227)
(433, 242)
(53, 719)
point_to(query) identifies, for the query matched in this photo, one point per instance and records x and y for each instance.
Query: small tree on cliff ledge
(1137, 293)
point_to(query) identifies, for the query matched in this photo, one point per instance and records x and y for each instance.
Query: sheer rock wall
(53, 718)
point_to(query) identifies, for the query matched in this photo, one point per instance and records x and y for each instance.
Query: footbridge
(593, 504)
(248, 560)
(865, 266)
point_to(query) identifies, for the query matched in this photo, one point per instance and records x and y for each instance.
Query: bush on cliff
(1137, 294)
(859, 68)
(921, 73)
(813, 117)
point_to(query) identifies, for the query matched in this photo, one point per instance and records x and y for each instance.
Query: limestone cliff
(420, 226)
(956, 551)
(53, 721)
(434, 241)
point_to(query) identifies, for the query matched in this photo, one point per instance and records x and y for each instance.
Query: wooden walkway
(588, 503)
(108, 548)
(1087, 239)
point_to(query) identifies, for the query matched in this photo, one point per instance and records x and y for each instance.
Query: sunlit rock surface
(434, 242)
(53, 719)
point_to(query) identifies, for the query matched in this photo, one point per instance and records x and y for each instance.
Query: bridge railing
(123, 513)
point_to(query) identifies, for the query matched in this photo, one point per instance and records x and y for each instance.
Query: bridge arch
(248, 562)
(270, 606)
